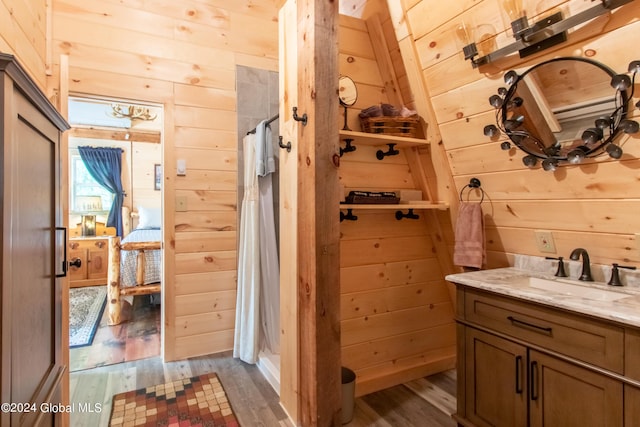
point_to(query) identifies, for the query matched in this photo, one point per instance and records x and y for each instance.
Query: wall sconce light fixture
(531, 116)
(540, 35)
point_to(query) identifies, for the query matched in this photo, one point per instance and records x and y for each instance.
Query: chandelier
(132, 112)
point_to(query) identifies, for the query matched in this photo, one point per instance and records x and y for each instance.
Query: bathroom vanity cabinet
(521, 363)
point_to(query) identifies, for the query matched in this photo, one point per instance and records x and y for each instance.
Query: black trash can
(348, 394)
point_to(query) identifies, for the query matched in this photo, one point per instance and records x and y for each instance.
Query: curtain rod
(274, 118)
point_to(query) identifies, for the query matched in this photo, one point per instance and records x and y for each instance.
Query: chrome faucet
(586, 266)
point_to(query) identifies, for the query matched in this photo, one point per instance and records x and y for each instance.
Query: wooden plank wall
(397, 317)
(22, 33)
(144, 157)
(182, 55)
(592, 205)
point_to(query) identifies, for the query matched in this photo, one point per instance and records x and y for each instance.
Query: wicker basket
(392, 126)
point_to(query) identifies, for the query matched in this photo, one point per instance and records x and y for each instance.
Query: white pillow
(149, 217)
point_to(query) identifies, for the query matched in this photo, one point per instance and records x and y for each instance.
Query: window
(84, 190)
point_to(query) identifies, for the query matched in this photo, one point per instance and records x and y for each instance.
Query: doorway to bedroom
(115, 220)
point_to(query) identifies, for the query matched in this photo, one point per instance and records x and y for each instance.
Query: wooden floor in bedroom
(136, 339)
(428, 401)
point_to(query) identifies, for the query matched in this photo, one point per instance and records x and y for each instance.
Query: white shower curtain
(245, 345)
(258, 297)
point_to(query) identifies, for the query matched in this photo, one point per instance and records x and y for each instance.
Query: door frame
(64, 103)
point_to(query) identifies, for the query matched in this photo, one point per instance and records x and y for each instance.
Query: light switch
(181, 167)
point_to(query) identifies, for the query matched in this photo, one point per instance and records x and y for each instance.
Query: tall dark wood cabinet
(32, 252)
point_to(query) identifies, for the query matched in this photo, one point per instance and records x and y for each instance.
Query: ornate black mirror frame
(523, 131)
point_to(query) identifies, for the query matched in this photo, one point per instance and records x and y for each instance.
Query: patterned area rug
(86, 306)
(197, 401)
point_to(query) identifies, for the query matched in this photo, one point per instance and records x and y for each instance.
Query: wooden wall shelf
(375, 139)
(397, 206)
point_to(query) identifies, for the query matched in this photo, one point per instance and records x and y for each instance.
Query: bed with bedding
(134, 261)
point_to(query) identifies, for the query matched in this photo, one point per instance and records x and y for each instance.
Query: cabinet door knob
(100, 244)
(73, 245)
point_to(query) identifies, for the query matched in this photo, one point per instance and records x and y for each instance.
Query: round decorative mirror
(347, 91)
(564, 110)
(347, 94)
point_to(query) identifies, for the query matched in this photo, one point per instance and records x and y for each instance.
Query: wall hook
(349, 216)
(392, 152)
(408, 215)
(287, 146)
(297, 118)
(348, 148)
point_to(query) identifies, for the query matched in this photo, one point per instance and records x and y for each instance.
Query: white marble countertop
(515, 282)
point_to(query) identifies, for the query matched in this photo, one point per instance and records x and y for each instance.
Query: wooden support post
(113, 281)
(140, 268)
(383, 58)
(318, 220)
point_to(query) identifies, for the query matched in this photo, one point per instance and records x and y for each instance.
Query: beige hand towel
(469, 249)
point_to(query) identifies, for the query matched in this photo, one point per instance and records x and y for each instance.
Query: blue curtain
(105, 166)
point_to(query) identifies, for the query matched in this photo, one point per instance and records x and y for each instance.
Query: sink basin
(580, 291)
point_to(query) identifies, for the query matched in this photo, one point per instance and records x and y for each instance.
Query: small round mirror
(347, 91)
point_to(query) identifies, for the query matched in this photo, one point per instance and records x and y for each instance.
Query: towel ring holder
(473, 183)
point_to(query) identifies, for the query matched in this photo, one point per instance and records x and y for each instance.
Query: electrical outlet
(181, 203)
(544, 241)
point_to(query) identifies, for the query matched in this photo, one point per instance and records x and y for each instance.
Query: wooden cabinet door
(97, 260)
(78, 273)
(631, 406)
(495, 389)
(32, 320)
(563, 394)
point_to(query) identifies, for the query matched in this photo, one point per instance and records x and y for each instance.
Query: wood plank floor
(120, 360)
(131, 340)
(425, 402)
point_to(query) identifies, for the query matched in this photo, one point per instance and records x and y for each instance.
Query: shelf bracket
(349, 216)
(408, 215)
(348, 147)
(392, 152)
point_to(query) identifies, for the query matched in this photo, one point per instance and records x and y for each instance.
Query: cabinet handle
(100, 244)
(533, 383)
(64, 255)
(522, 324)
(518, 375)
